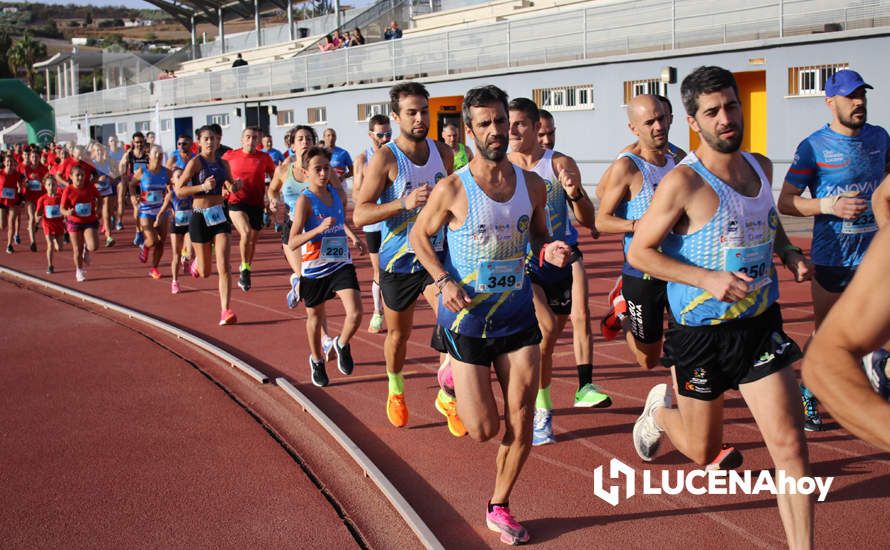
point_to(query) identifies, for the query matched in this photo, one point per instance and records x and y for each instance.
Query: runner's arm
(377, 174)
(347, 226)
(277, 181)
(447, 155)
(556, 252)
(856, 325)
(615, 189)
(302, 211)
(880, 202)
(569, 176)
(357, 177)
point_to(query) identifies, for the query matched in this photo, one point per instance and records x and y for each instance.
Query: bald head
(649, 120)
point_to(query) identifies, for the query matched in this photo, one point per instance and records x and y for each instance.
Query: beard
(725, 146)
(414, 137)
(493, 154)
(850, 122)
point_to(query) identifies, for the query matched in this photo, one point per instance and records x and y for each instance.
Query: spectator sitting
(357, 38)
(393, 31)
(338, 40)
(327, 45)
(239, 61)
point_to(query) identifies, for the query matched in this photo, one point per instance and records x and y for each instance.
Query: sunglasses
(181, 143)
(381, 135)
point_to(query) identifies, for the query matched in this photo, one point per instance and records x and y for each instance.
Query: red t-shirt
(32, 174)
(52, 220)
(51, 158)
(86, 195)
(10, 187)
(251, 169)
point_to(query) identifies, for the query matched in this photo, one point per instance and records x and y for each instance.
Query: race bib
(753, 261)
(334, 248)
(214, 215)
(83, 209)
(182, 217)
(154, 198)
(437, 240)
(863, 223)
(7, 193)
(496, 276)
(52, 211)
(34, 185)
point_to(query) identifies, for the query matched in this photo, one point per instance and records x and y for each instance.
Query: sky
(137, 4)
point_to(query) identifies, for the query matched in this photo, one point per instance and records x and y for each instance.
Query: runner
(380, 133)
(492, 211)
(462, 155)
(341, 162)
(116, 154)
(179, 234)
(547, 132)
(714, 218)
(134, 159)
(274, 153)
(320, 230)
(50, 212)
(154, 181)
(249, 167)
(32, 172)
(105, 169)
(841, 164)
(179, 228)
(857, 322)
(627, 188)
(395, 186)
(556, 292)
(79, 204)
(204, 179)
(182, 154)
(11, 193)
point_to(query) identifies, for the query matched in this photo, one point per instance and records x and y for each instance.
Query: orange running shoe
(396, 410)
(447, 405)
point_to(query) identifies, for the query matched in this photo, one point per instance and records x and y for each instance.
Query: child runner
(105, 170)
(179, 230)
(10, 198)
(319, 228)
(50, 212)
(33, 173)
(79, 205)
(153, 181)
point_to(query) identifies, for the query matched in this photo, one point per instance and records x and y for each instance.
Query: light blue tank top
(152, 188)
(292, 189)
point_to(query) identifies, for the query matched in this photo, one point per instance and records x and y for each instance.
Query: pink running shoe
(445, 376)
(174, 287)
(193, 268)
(227, 317)
(154, 273)
(500, 520)
(143, 254)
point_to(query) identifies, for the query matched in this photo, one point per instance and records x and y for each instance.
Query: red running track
(448, 480)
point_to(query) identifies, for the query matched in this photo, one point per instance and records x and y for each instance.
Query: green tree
(23, 54)
(5, 44)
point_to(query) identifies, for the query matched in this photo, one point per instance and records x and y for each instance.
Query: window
(121, 127)
(810, 81)
(143, 126)
(317, 115)
(220, 118)
(565, 98)
(633, 88)
(367, 110)
(285, 118)
(166, 124)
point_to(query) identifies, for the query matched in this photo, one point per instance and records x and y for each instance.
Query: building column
(290, 20)
(95, 82)
(63, 73)
(222, 32)
(256, 22)
(48, 86)
(337, 12)
(75, 78)
(120, 75)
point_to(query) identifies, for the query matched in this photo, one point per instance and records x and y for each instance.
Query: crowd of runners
(489, 237)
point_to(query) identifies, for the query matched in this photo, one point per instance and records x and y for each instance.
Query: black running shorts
(315, 292)
(484, 351)
(712, 359)
(254, 213)
(400, 290)
(200, 232)
(833, 278)
(646, 302)
(373, 241)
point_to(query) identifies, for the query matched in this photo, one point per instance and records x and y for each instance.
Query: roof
(207, 10)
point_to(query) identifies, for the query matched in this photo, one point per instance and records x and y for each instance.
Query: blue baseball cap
(844, 82)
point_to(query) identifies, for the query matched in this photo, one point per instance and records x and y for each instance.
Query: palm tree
(23, 54)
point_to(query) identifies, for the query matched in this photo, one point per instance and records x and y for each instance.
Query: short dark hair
(667, 102)
(405, 88)
(312, 152)
(137, 135)
(207, 128)
(705, 80)
(216, 129)
(527, 106)
(375, 120)
(544, 114)
(480, 97)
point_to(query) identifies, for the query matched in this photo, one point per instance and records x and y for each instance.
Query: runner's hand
(454, 298)
(208, 184)
(849, 208)
(571, 182)
(557, 253)
(727, 286)
(325, 225)
(799, 266)
(418, 197)
(273, 205)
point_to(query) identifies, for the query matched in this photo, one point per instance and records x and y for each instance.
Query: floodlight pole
(290, 20)
(256, 22)
(222, 32)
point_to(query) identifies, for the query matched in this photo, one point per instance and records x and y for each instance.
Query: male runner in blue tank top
(492, 211)
(401, 176)
(557, 292)
(711, 232)
(841, 164)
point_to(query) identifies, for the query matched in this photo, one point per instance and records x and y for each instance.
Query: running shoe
(543, 428)
(33, 247)
(611, 325)
(447, 405)
(139, 239)
(319, 375)
(874, 365)
(119, 225)
(9, 249)
(646, 434)
(590, 396)
(278, 228)
(154, 273)
(174, 287)
(244, 280)
(445, 376)
(50, 270)
(228, 317)
(396, 409)
(142, 254)
(376, 325)
(17, 239)
(193, 268)
(109, 242)
(293, 295)
(500, 520)
(80, 275)
(727, 459)
(345, 364)
(87, 258)
(812, 418)
(327, 347)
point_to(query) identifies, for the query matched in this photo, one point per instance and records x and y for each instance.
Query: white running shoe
(646, 434)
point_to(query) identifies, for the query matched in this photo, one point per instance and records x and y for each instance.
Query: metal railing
(629, 27)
